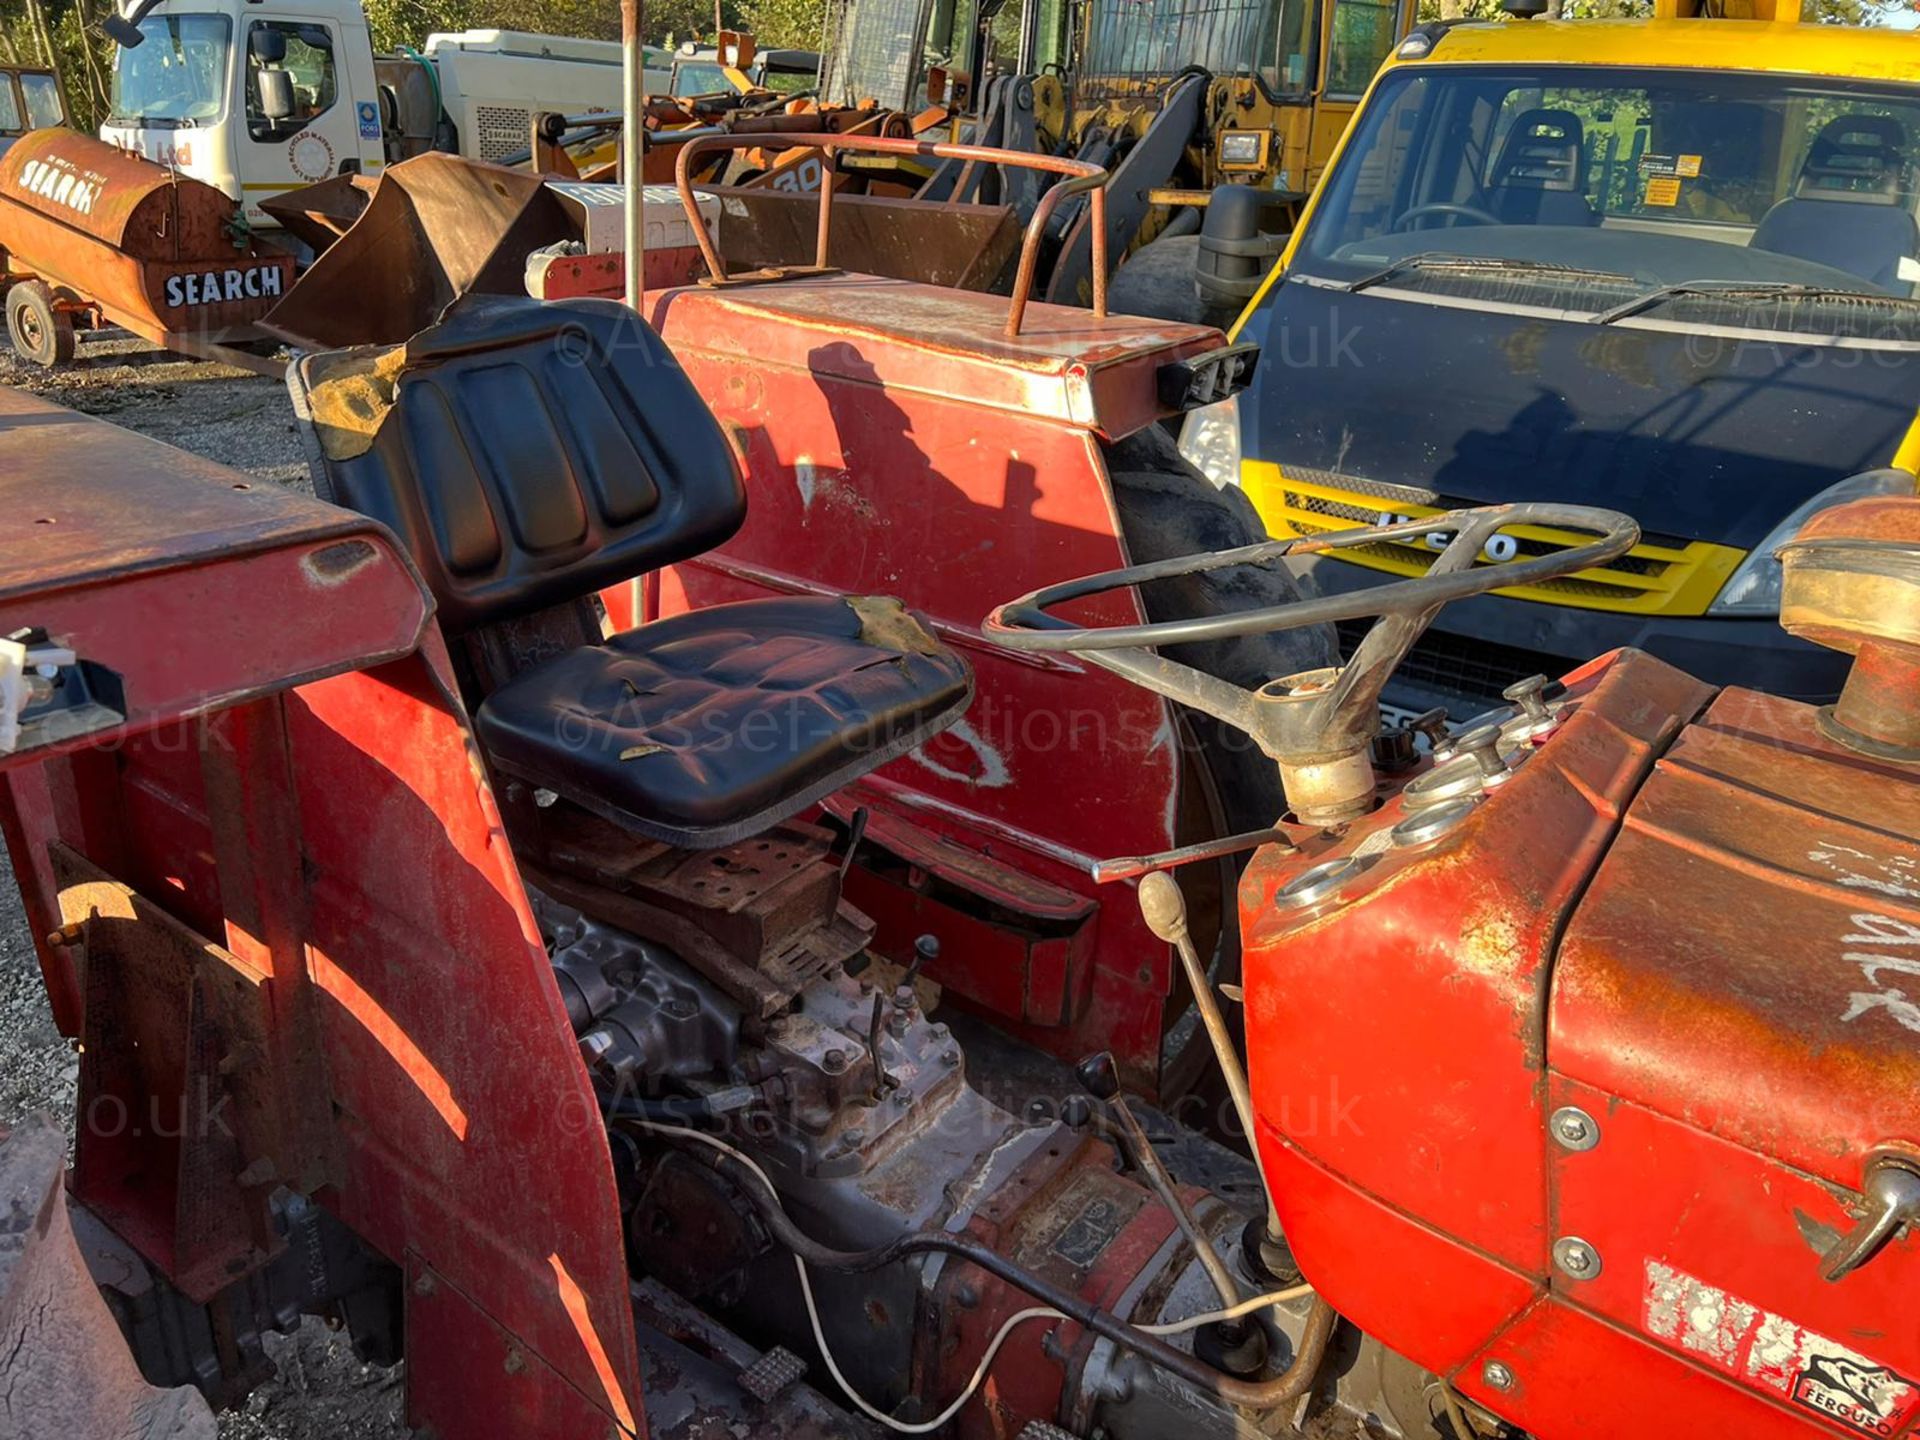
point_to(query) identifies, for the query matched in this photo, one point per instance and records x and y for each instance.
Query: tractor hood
(1698, 436)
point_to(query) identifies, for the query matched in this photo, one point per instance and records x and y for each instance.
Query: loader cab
(251, 99)
(1293, 70)
(1644, 265)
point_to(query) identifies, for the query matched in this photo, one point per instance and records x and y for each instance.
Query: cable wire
(1012, 1322)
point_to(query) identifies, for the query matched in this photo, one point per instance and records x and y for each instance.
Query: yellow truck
(1666, 266)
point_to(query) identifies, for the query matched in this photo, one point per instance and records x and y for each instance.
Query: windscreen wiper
(1483, 264)
(1739, 290)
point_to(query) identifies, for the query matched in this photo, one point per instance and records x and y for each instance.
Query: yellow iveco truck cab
(1664, 266)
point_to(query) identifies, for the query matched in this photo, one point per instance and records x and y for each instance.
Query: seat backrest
(526, 453)
(1539, 177)
(1856, 159)
(1859, 162)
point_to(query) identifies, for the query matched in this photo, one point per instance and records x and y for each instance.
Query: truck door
(321, 136)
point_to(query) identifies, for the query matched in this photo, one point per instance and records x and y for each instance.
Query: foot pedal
(1044, 1430)
(773, 1374)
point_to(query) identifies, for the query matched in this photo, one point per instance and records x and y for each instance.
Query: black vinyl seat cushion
(705, 728)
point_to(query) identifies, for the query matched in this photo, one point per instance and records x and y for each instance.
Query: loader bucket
(320, 214)
(436, 228)
(439, 227)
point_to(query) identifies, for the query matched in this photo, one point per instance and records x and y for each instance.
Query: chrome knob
(1892, 1196)
(1537, 721)
(1482, 746)
(1433, 725)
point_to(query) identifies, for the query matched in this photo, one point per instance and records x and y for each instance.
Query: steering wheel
(1318, 725)
(1404, 221)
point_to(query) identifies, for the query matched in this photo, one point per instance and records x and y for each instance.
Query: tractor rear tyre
(41, 333)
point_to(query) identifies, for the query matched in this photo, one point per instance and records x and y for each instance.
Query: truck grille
(1454, 665)
(1661, 575)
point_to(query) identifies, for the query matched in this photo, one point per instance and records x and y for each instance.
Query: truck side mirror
(275, 89)
(1237, 247)
(122, 31)
(267, 45)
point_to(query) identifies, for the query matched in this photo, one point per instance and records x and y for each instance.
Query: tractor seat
(529, 455)
(707, 727)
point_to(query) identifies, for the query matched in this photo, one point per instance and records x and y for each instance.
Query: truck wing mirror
(122, 31)
(267, 45)
(275, 89)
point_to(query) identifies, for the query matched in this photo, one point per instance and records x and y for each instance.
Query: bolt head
(1576, 1257)
(1497, 1376)
(1574, 1129)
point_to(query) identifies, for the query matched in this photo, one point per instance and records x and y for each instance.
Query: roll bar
(1081, 177)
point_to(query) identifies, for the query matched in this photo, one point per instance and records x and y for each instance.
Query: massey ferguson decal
(1771, 1353)
(216, 287)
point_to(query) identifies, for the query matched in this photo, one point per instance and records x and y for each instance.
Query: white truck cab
(190, 94)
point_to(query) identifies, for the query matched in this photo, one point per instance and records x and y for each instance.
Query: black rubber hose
(1262, 1395)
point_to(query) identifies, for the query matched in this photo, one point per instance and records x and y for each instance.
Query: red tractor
(514, 987)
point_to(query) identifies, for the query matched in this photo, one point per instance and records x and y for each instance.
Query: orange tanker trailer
(93, 236)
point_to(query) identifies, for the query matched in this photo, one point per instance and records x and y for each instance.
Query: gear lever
(1101, 1079)
(1164, 909)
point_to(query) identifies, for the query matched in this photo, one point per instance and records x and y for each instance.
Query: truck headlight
(1210, 442)
(1754, 589)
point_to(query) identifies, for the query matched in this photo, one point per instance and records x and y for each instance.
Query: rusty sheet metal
(437, 228)
(946, 344)
(155, 251)
(968, 247)
(1398, 1031)
(320, 214)
(145, 211)
(283, 585)
(1762, 901)
(179, 1139)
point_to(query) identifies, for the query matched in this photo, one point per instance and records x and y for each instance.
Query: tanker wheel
(40, 332)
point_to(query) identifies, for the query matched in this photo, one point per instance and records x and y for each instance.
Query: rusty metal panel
(1423, 1088)
(300, 588)
(965, 247)
(945, 345)
(143, 210)
(1787, 932)
(178, 1128)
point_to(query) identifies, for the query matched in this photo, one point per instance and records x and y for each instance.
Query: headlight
(1210, 442)
(1240, 147)
(1754, 589)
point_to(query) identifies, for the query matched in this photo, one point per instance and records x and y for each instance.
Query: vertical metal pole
(633, 77)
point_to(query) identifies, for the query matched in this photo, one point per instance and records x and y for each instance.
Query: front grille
(1662, 574)
(1453, 665)
(504, 130)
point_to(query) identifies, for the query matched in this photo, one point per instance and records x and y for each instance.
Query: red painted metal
(1423, 1087)
(146, 247)
(279, 828)
(893, 448)
(1696, 931)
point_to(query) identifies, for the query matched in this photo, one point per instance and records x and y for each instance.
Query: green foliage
(778, 24)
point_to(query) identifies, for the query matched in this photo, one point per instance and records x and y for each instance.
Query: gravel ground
(244, 420)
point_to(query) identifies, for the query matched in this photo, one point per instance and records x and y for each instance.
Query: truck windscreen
(177, 77)
(1666, 195)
